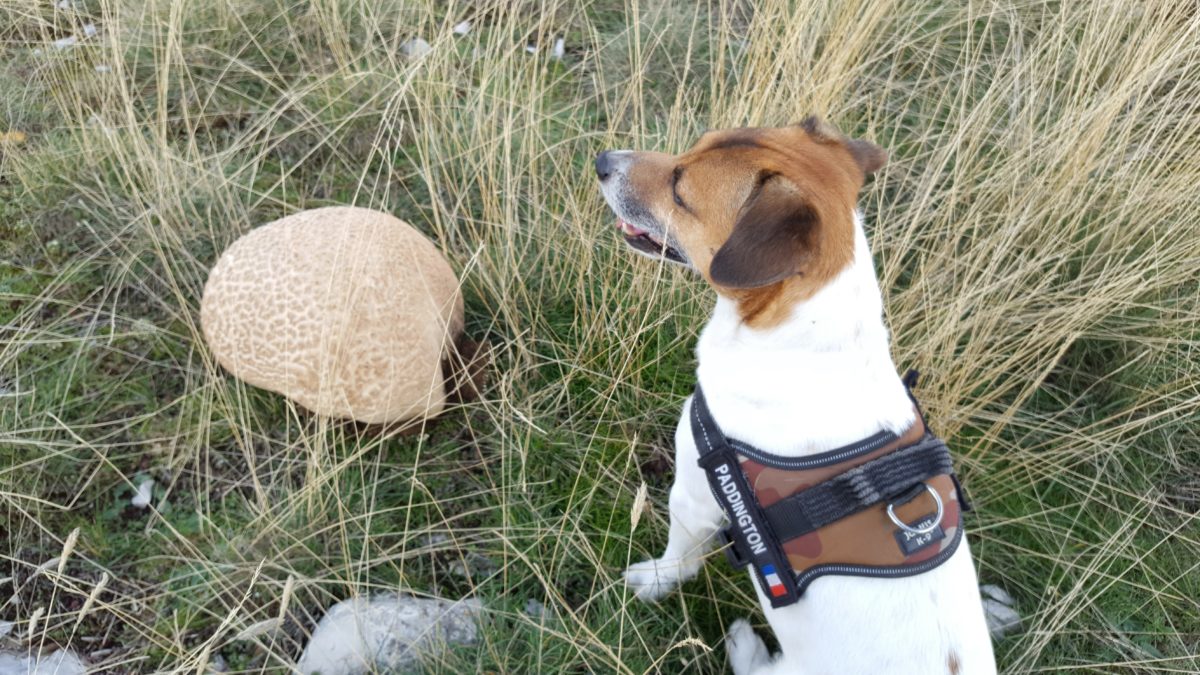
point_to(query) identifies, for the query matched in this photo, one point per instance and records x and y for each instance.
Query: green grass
(1035, 231)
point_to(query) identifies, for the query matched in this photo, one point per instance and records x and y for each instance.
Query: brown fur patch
(739, 140)
(953, 664)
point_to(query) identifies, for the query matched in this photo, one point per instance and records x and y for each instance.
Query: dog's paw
(746, 650)
(652, 579)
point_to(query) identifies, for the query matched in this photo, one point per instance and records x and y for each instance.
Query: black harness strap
(910, 380)
(887, 478)
(754, 543)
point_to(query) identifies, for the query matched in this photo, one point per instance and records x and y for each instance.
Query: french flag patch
(773, 581)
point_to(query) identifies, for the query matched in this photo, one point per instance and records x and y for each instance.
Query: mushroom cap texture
(346, 311)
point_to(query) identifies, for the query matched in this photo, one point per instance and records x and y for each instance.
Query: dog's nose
(604, 165)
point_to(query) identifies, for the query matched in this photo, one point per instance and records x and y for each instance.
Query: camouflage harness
(886, 506)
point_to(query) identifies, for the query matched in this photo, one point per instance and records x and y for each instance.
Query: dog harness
(887, 506)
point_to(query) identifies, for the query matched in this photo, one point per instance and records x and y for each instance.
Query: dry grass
(1036, 232)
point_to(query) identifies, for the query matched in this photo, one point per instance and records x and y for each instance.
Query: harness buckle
(731, 549)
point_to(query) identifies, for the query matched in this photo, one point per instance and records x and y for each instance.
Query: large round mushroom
(347, 311)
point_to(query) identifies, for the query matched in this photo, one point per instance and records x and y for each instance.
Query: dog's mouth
(640, 240)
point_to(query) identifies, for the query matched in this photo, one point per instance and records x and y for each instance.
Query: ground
(1035, 231)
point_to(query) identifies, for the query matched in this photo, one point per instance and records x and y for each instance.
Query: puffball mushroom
(347, 311)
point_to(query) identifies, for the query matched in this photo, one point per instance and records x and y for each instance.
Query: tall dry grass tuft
(1035, 230)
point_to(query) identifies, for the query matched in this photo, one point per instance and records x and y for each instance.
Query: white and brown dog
(794, 361)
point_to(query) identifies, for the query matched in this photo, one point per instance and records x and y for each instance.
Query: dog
(795, 361)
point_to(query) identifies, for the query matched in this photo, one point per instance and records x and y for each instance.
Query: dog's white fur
(820, 380)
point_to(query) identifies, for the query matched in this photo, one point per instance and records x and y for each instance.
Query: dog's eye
(675, 186)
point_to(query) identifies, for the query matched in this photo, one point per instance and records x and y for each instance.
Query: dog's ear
(771, 240)
(820, 130)
(868, 156)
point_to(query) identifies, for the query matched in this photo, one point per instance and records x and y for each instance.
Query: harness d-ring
(937, 520)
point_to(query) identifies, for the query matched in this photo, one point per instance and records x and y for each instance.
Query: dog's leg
(695, 518)
(748, 654)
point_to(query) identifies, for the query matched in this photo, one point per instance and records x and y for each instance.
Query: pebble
(415, 48)
(387, 633)
(62, 662)
(1001, 618)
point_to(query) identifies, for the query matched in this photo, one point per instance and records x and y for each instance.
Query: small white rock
(64, 43)
(996, 593)
(89, 30)
(415, 48)
(536, 609)
(462, 28)
(560, 48)
(6, 627)
(532, 49)
(1001, 619)
(144, 491)
(101, 68)
(387, 633)
(59, 663)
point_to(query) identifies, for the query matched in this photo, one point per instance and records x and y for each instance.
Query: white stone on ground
(537, 610)
(62, 662)
(998, 610)
(388, 633)
(145, 490)
(415, 48)
(998, 594)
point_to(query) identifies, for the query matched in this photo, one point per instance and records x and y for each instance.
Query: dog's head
(762, 214)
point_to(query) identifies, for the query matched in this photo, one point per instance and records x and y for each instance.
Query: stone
(347, 311)
(537, 610)
(415, 48)
(63, 662)
(998, 610)
(387, 633)
(998, 594)
(145, 490)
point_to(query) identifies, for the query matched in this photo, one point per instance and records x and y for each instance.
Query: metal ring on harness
(937, 520)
